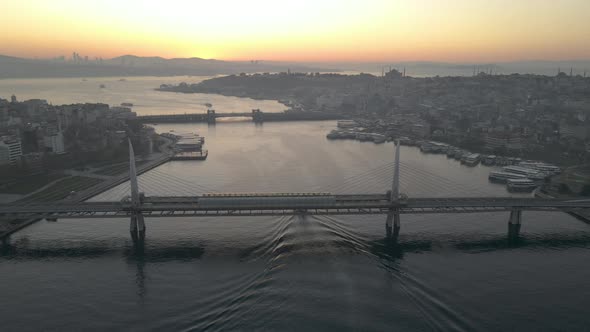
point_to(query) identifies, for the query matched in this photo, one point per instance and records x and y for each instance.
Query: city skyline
(310, 31)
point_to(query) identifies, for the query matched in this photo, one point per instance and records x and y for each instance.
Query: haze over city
(306, 30)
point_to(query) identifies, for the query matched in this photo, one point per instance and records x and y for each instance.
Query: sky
(300, 30)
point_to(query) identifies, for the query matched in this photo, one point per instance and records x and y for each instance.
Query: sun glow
(320, 30)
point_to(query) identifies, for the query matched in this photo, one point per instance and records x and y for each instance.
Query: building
(503, 140)
(55, 142)
(10, 150)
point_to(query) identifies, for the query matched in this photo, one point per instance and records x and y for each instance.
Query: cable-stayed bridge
(335, 201)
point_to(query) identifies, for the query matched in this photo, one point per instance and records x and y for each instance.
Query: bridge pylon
(211, 117)
(514, 224)
(393, 223)
(136, 224)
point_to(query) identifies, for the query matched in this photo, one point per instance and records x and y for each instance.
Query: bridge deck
(185, 206)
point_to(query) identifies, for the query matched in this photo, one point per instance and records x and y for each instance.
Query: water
(136, 90)
(449, 272)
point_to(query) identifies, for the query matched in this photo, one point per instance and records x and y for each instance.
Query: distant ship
(102, 86)
(122, 80)
(209, 105)
(127, 104)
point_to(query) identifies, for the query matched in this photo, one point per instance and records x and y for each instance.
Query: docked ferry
(542, 167)
(521, 185)
(503, 177)
(489, 160)
(528, 172)
(471, 159)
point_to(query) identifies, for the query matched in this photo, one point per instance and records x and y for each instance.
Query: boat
(127, 104)
(542, 167)
(191, 155)
(489, 160)
(451, 152)
(379, 139)
(209, 105)
(346, 124)
(528, 172)
(426, 147)
(503, 177)
(471, 159)
(521, 185)
(102, 86)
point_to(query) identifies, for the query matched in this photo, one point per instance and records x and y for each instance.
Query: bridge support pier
(514, 224)
(257, 116)
(393, 225)
(211, 118)
(137, 228)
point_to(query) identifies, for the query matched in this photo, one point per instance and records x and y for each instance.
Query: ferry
(529, 173)
(451, 152)
(489, 160)
(346, 124)
(503, 177)
(459, 154)
(434, 147)
(379, 139)
(471, 159)
(542, 167)
(521, 185)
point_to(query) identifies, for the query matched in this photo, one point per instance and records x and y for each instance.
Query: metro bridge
(256, 115)
(393, 204)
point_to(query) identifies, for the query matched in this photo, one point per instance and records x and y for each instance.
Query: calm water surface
(448, 272)
(136, 90)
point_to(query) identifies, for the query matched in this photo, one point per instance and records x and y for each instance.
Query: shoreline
(96, 190)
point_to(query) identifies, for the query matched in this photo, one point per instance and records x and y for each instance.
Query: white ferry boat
(346, 124)
(542, 167)
(528, 172)
(489, 160)
(503, 177)
(471, 159)
(521, 185)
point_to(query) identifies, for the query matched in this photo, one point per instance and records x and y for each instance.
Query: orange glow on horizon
(318, 31)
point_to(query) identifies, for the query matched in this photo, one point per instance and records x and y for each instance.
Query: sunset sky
(302, 30)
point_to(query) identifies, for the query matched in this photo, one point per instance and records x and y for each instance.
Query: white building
(10, 150)
(55, 142)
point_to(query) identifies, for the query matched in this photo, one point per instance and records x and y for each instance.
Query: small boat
(127, 104)
(102, 86)
(209, 105)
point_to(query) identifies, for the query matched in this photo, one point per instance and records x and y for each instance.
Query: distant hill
(131, 65)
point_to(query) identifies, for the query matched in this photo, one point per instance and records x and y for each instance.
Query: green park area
(29, 184)
(62, 189)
